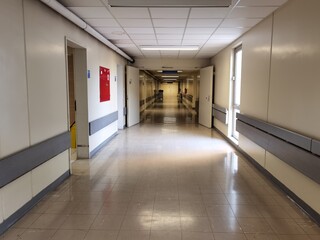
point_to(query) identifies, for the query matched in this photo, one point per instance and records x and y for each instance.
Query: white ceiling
(211, 29)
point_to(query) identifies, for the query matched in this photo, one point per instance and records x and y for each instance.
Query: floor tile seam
(24, 230)
(211, 224)
(299, 224)
(124, 217)
(292, 219)
(54, 233)
(270, 226)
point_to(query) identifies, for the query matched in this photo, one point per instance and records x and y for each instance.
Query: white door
(205, 96)
(133, 96)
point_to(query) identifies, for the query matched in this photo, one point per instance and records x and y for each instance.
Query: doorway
(78, 122)
(72, 104)
(236, 90)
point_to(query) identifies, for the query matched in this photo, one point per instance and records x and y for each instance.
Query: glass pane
(238, 64)
(235, 132)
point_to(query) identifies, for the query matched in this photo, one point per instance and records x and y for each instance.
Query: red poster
(104, 84)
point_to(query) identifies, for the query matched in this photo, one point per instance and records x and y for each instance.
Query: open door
(133, 96)
(205, 96)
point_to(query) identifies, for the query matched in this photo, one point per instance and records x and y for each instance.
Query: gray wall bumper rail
(288, 146)
(22, 162)
(102, 122)
(220, 113)
(287, 135)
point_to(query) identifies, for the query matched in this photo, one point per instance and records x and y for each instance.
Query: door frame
(234, 107)
(81, 97)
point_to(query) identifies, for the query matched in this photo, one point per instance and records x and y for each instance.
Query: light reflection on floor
(165, 179)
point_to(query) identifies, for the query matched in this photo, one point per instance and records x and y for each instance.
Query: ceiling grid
(209, 28)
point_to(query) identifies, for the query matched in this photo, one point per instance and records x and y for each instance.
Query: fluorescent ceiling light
(169, 71)
(169, 3)
(170, 48)
(172, 79)
(170, 76)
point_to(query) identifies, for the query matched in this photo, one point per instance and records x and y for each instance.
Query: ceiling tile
(135, 22)
(102, 22)
(169, 12)
(261, 2)
(217, 42)
(130, 12)
(195, 36)
(169, 30)
(209, 12)
(81, 3)
(115, 36)
(226, 36)
(169, 53)
(122, 41)
(111, 30)
(139, 30)
(91, 12)
(251, 12)
(169, 22)
(169, 42)
(198, 42)
(145, 42)
(183, 54)
(168, 37)
(125, 45)
(231, 30)
(239, 22)
(209, 22)
(151, 53)
(142, 36)
(199, 31)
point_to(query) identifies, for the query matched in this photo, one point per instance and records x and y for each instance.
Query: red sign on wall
(104, 84)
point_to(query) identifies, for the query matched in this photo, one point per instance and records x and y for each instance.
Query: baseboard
(315, 216)
(7, 223)
(104, 143)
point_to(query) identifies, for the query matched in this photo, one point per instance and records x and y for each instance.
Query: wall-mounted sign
(104, 84)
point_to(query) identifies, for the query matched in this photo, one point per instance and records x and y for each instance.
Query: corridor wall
(34, 101)
(280, 83)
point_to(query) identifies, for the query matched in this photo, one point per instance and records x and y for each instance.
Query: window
(236, 89)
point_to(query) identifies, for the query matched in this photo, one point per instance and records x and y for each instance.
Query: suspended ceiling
(211, 29)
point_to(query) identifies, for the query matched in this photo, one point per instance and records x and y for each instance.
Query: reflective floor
(175, 180)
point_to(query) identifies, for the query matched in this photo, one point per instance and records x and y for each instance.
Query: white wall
(14, 120)
(280, 83)
(176, 64)
(170, 91)
(33, 93)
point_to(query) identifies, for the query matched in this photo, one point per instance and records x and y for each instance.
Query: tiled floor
(169, 180)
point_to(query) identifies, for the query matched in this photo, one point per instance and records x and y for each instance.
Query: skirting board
(7, 223)
(97, 149)
(303, 205)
